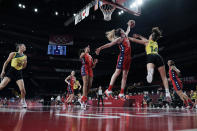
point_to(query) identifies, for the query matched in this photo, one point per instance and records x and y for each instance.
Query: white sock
(167, 90)
(23, 100)
(150, 75)
(150, 71)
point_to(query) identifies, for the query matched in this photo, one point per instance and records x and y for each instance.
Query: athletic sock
(167, 90)
(84, 98)
(185, 102)
(23, 100)
(191, 104)
(122, 91)
(110, 87)
(190, 101)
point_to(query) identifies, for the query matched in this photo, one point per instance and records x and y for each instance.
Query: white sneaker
(121, 96)
(83, 106)
(24, 104)
(188, 107)
(79, 100)
(168, 97)
(149, 76)
(108, 93)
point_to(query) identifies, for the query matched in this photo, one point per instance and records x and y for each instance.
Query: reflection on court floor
(99, 119)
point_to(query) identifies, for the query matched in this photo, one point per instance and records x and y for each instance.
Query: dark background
(176, 18)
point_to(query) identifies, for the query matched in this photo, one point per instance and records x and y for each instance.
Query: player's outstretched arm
(107, 45)
(177, 70)
(140, 37)
(143, 42)
(82, 55)
(131, 24)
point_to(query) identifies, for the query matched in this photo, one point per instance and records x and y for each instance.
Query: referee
(100, 95)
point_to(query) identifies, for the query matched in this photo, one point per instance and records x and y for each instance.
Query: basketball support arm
(72, 19)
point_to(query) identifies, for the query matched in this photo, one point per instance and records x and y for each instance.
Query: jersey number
(154, 49)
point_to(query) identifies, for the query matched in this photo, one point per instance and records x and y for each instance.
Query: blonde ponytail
(111, 35)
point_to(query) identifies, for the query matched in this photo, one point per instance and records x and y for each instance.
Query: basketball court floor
(96, 119)
(64, 118)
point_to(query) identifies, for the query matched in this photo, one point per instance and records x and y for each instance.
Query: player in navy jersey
(70, 80)
(87, 73)
(177, 83)
(120, 38)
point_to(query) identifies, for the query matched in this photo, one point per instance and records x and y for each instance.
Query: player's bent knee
(2, 86)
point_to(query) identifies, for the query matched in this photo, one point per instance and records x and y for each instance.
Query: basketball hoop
(107, 10)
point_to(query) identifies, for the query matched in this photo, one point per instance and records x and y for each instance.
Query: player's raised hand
(95, 61)
(131, 23)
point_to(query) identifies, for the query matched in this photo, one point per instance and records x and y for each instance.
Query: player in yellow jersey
(154, 60)
(77, 93)
(77, 88)
(193, 96)
(18, 62)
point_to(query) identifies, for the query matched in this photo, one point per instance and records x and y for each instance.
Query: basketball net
(107, 10)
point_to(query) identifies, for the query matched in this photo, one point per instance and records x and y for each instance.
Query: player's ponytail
(156, 33)
(110, 35)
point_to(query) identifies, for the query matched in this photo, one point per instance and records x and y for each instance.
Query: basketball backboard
(130, 6)
(107, 7)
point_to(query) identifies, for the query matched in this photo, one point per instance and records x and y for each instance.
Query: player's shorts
(177, 84)
(14, 74)
(156, 59)
(85, 70)
(123, 62)
(76, 91)
(70, 89)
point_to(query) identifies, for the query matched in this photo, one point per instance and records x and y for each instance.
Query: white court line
(14, 110)
(188, 130)
(145, 116)
(90, 116)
